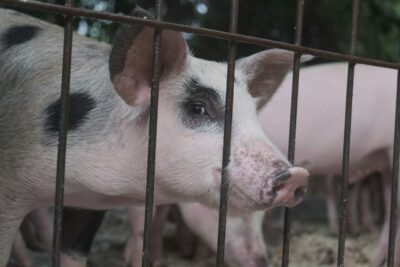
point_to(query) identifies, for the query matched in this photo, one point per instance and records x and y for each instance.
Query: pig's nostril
(299, 193)
(276, 189)
(283, 176)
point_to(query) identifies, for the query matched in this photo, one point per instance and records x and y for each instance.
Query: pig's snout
(287, 188)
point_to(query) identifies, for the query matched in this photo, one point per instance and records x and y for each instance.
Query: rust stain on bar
(62, 138)
(151, 158)
(223, 207)
(293, 124)
(197, 30)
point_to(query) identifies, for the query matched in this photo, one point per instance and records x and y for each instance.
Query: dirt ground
(311, 244)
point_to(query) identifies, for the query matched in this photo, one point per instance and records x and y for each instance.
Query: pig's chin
(240, 202)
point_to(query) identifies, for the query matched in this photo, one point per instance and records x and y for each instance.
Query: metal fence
(234, 38)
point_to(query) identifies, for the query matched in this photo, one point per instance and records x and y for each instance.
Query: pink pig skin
(320, 125)
(244, 244)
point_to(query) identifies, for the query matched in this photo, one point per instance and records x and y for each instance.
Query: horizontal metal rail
(26, 4)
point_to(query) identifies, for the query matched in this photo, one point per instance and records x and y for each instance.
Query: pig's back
(321, 113)
(30, 83)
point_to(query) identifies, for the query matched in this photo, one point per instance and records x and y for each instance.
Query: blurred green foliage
(327, 23)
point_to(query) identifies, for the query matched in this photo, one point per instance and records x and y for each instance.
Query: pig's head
(191, 121)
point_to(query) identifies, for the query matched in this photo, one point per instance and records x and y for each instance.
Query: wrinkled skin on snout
(106, 162)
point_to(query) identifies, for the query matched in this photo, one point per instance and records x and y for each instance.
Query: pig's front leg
(20, 252)
(134, 247)
(44, 226)
(159, 221)
(79, 229)
(333, 217)
(366, 191)
(382, 249)
(10, 220)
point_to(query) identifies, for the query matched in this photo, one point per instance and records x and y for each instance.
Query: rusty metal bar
(395, 180)
(230, 80)
(346, 138)
(293, 123)
(28, 4)
(62, 137)
(151, 155)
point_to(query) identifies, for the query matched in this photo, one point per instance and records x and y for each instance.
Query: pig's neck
(117, 174)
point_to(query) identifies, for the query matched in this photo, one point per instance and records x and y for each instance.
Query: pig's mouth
(235, 190)
(239, 195)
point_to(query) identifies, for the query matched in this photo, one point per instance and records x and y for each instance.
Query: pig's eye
(198, 108)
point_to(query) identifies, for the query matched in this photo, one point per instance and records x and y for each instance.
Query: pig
(320, 125)
(358, 193)
(20, 252)
(244, 243)
(106, 161)
(40, 232)
(134, 247)
(36, 232)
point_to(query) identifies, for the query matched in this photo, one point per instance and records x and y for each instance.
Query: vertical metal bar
(62, 137)
(223, 207)
(395, 180)
(151, 156)
(293, 123)
(346, 138)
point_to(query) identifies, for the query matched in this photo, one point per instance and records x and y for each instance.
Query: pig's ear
(131, 59)
(266, 70)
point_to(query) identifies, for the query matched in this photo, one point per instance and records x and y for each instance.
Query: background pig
(244, 244)
(320, 124)
(108, 127)
(134, 248)
(371, 167)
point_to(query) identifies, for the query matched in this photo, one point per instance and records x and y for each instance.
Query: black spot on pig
(80, 104)
(18, 35)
